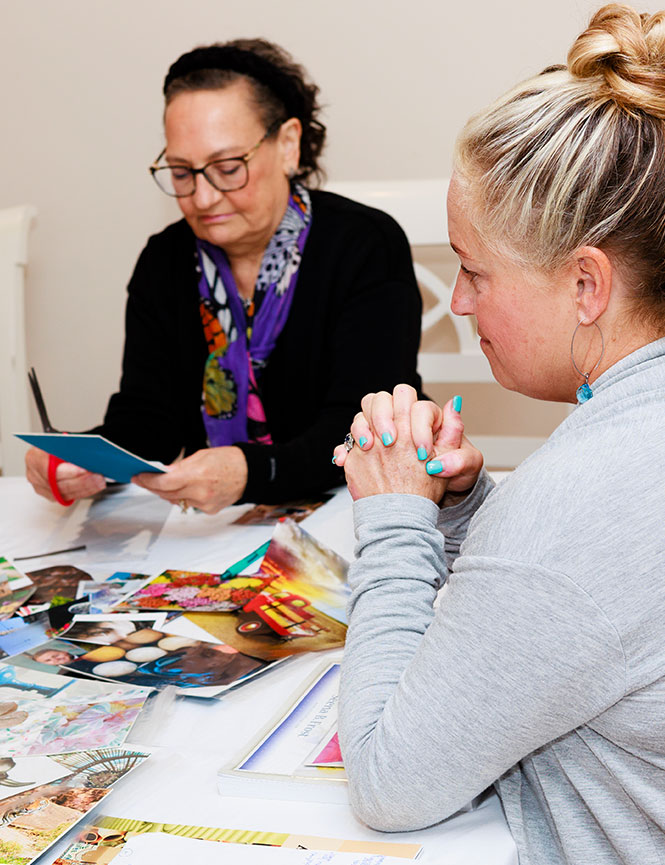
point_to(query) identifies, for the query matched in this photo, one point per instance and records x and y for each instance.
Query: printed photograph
(63, 789)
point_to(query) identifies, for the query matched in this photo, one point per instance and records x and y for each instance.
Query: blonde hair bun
(626, 51)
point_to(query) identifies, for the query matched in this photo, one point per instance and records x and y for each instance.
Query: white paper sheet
(174, 850)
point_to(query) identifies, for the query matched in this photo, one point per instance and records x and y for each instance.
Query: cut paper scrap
(269, 515)
(70, 785)
(298, 603)
(50, 656)
(15, 588)
(156, 659)
(193, 590)
(103, 841)
(104, 596)
(57, 725)
(105, 628)
(329, 755)
(56, 584)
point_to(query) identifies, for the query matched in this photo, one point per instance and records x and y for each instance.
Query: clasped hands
(408, 446)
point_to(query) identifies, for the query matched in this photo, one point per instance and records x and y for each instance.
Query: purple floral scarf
(240, 334)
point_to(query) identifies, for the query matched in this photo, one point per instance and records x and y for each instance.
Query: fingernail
(433, 467)
(422, 453)
(457, 403)
(362, 441)
(333, 461)
(387, 439)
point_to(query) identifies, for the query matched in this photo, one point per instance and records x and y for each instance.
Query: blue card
(92, 452)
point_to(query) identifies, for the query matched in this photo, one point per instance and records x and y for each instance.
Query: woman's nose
(205, 195)
(461, 303)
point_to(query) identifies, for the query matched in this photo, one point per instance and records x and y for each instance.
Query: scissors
(53, 461)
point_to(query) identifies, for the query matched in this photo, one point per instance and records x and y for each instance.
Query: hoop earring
(584, 391)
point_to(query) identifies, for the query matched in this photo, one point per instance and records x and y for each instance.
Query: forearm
(457, 512)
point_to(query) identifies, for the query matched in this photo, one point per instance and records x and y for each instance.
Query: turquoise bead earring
(584, 392)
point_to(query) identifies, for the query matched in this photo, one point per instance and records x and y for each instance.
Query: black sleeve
(357, 332)
(155, 413)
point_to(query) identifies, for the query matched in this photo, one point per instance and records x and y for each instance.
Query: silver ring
(349, 441)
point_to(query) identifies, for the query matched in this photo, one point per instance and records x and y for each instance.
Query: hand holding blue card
(92, 452)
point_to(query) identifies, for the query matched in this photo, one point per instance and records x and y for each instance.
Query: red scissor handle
(53, 463)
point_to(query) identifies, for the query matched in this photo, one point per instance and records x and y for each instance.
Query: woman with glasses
(541, 671)
(255, 324)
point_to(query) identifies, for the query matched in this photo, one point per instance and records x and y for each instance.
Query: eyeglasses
(225, 175)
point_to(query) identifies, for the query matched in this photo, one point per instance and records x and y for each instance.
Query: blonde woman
(542, 670)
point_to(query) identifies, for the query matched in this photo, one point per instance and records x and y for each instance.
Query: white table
(129, 529)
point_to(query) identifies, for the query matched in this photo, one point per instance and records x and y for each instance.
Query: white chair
(14, 411)
(420, 208)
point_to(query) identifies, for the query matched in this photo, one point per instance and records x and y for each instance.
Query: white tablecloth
(129, 529)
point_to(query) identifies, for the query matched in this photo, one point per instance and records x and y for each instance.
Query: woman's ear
(289, 142)
(592, 272)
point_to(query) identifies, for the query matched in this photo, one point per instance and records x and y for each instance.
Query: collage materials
(23, 639)
(57, 583)
(269, 515)
(102, 842)
(92, 452)
(60, 724)
(58, 791)
(104, 629)
(280, 757)
(188, 590)
(156, 659)
(299, 601)
(17, 682)
(329, 755)
(11, 578)
(103, 596)
(176, 849)
(15, 588)
(50, 656)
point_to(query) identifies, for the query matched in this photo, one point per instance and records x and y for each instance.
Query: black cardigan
(353, 327)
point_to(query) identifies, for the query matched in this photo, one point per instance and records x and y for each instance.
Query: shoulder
(590, 498)
(175, 238)
(339, 215)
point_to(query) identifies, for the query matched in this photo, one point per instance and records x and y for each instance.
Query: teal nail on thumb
(422, 453)
(433, 467)
(457, 404)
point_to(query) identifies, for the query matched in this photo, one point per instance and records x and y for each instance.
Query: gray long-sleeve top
(542, 669)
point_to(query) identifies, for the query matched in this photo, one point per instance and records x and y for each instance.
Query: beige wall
(81, 119)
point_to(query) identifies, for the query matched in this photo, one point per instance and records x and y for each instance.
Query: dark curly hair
(280, 87)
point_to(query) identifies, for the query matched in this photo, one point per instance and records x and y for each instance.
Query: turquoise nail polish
(433, 467)
(362, 441)
(457, 404)
(387, 439)
(333, 461)
(422, 453)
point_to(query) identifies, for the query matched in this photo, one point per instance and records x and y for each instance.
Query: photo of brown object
(248, 634)
(10, 717)
(59, 581)
(268, 515)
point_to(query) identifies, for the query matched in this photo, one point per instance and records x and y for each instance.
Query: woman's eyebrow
(459, 251)
(211, 157)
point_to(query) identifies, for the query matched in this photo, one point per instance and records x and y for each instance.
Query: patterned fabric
(242, 334)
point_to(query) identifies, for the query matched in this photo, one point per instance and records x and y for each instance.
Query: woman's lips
(213, 218)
